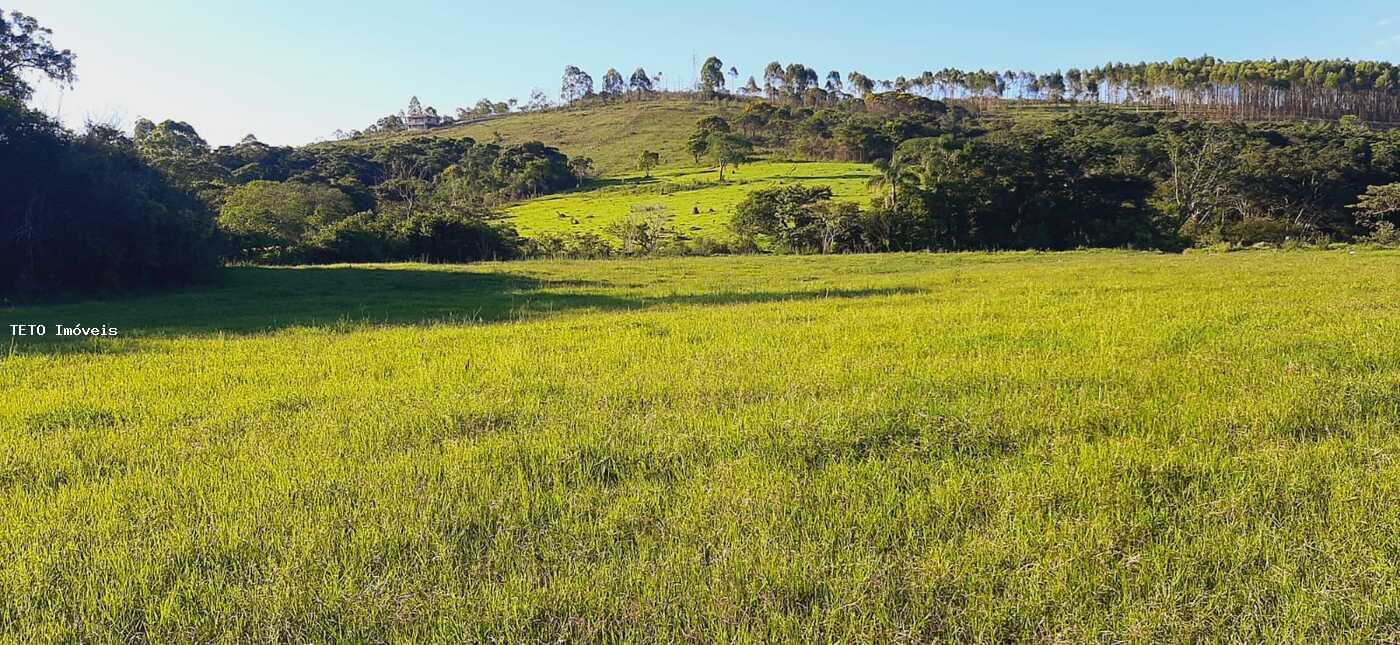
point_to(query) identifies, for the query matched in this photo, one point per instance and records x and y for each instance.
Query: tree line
(104, 209)
(1100, 178)
(1204, 87)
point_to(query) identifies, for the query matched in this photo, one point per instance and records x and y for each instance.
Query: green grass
(702, 206)
(613, 136)
(1089, 446)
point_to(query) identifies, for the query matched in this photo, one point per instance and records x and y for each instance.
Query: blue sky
(294, 71)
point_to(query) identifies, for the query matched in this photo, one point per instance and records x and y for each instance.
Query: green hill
(611, 135)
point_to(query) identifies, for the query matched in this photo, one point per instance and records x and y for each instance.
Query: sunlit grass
(702, 206)
(1078, 446)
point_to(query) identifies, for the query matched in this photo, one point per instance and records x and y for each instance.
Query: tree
(893, 172)
(798, 78)
(648, 160)
(712, 76)
(85, 211)
(727, 148)
(1202, 163)
(576, 85)
(1378, 206)
(25, 47)
(613, 85)
(582, 168)
(773, 79)
(639, 83)
(861, 83)
(698, 143)
(175, 148)
(538, 101)
(785, 216)
(833, 82)
(751, 88)
(838, 226)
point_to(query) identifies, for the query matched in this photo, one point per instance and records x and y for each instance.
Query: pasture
(1086, 446)
(702, 206)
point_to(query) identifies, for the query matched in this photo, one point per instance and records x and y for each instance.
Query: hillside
(612, 135)
(701, 205)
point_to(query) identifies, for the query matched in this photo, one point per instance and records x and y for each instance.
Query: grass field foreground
(1081, 446)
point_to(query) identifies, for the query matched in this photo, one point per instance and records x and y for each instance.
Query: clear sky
(294, 71)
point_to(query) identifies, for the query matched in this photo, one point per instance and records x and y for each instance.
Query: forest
(103, 209)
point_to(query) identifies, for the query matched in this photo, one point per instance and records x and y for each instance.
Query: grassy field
(701, 205)
(611, 135)
(1089, 446)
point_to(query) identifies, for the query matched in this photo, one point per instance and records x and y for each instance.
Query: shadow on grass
(853, 175)
(251, 300)
(610, 182)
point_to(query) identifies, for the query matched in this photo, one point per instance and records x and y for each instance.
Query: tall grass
(1081, 446)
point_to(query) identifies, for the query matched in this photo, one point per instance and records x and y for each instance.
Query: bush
(646, 230)
(1259, 230)
(584, 245)
(452, 237)
(1385, 234)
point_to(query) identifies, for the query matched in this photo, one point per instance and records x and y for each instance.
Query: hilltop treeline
(1296, 89)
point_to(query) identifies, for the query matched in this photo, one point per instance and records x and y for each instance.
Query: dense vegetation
(86, 212)
(1096, 446)
(104, 210)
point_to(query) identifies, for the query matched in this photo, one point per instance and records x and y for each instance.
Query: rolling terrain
(1073, 447)
(613, 136)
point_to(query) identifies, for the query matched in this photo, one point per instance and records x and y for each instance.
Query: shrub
(582, 245)
(646, 230)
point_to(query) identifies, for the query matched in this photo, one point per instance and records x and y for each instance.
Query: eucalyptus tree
(613, 85)
(833, 82)
(576, 85)
(860, 83)
(712, 76)
(639, 83)
(773, 79)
